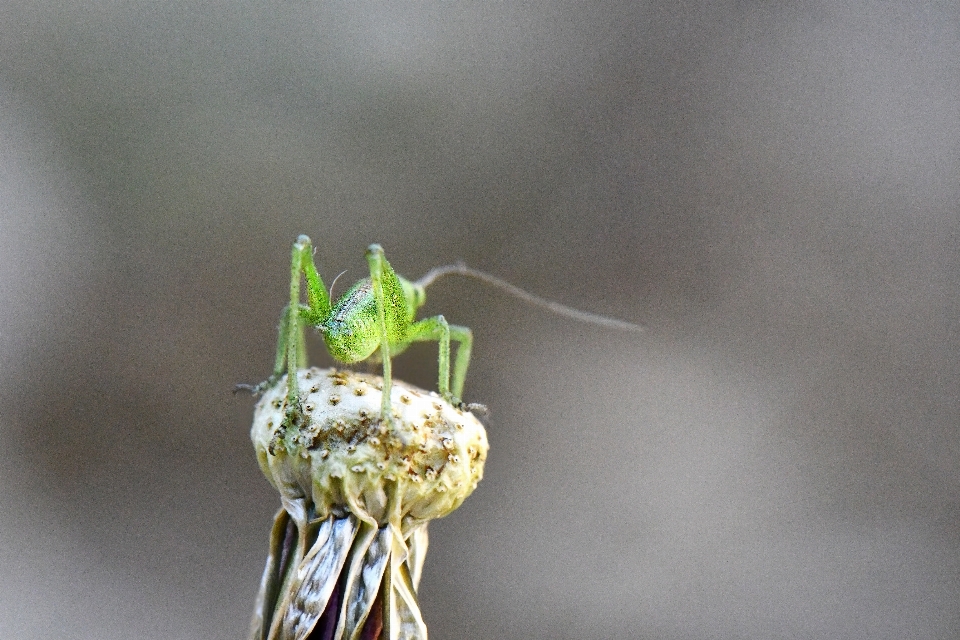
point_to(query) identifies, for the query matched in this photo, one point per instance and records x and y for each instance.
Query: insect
(376, 319)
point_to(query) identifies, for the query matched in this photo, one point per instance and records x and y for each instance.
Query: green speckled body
(351, 331)
(374, 320)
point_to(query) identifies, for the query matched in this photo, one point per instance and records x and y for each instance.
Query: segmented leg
(464, 338)
(437, 328)
(291, 345)
(377, 262)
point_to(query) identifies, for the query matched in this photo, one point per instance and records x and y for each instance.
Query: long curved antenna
(583, 316)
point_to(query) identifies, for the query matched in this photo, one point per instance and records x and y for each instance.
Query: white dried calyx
(334, 455)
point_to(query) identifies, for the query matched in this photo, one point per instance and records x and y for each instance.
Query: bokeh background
(771, 188)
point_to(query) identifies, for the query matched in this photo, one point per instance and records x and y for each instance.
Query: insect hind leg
(464, 339)
(437, 328)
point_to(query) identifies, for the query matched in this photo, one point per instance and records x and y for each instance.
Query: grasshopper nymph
(376, 319)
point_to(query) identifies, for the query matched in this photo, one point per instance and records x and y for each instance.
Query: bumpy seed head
(334, 451)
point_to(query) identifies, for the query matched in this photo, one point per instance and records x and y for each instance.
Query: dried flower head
(348, 545)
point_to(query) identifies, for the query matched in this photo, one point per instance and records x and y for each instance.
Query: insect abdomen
(351, 332)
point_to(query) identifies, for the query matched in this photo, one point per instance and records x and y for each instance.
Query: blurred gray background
(772, 188)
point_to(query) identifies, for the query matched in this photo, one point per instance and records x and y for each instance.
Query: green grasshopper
(376, 319)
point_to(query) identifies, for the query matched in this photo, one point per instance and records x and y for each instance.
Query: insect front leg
(291, 345)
